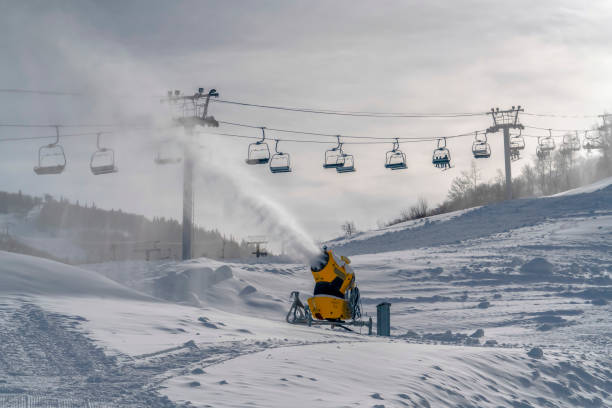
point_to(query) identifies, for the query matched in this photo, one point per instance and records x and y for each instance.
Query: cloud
(392, 56)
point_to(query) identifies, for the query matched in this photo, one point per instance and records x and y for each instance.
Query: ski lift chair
(51, 158)
(395, 159)
(259, 152)
(576, 145)
(545, 145)
(163, 157)
(441, 155)
(541, 153)
(593, 141)
(481, 148)
(334, 157)
(515, 152)
(102, 160)
(518, 141)
(346, 163)
(570, 144)
(280, 162)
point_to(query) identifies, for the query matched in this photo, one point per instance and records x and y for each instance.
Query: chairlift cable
(326, 111)
(334, 142)
(354, 113)
(28, 91)
(560, 130)
(335, 135)
(562, 116)
(17, 139)
(36, 125)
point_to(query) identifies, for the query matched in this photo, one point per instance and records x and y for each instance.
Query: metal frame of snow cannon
(51, 150)
(395, 159)
(280, 162)
(259, 152)
(334, 157)
(441, 155)
(481, 148)
(299, 313)
(100, 154)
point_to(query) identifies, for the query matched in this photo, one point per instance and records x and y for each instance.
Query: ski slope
(472, 294)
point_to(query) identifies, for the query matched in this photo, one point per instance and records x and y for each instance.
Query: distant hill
(79, 233)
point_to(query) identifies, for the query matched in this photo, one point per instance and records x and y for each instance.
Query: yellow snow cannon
(336, 299)
(332, 280)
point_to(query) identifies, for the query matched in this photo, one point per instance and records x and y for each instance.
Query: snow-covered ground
(472, 293)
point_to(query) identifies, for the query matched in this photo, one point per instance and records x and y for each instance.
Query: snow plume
(241, 198)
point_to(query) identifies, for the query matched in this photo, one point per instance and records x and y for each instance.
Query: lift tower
(506, 120)
(193, 110)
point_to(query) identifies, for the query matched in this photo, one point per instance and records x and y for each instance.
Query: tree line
(113, 234)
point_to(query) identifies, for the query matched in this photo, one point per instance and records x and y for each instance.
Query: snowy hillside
(472, 294)
(483, 221)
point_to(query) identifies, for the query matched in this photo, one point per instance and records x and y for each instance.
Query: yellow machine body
(329, 308)
(332, 280)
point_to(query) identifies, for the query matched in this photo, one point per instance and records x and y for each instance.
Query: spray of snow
(244, 198)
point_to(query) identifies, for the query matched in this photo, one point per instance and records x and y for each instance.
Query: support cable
(354, 113)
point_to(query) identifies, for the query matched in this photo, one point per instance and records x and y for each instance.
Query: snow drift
(23, 274)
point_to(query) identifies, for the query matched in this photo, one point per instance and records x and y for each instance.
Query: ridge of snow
(24, 274)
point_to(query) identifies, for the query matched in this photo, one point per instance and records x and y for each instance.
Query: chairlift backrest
(346, 163)
(441, 155)
(280, 162)
(593, 140)
(480, 147)
(51, 158)
(547, 143)
(259, 151)
(165, 156)
(102, 160)
(518, 140)
(334, 157)
(395, 159)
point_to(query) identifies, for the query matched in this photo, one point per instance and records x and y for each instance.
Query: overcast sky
(388, 56)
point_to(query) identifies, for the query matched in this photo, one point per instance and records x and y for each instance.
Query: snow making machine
(335, 302)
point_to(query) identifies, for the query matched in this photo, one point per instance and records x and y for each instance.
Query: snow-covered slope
(482, 222)
(472, 293)
(23, 274)
(599, 185)
(388, 374)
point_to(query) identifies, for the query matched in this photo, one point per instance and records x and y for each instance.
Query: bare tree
(473, 174)
(459, 188)
(420, 209)
(349, 228)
